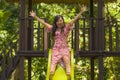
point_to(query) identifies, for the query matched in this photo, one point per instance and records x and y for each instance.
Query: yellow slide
(60, 73)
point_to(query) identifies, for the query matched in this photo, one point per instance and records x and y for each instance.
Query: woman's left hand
(83, 9)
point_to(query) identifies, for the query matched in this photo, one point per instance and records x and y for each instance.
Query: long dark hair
(55, 25)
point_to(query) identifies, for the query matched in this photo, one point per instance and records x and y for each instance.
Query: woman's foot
(68, 77)
(68, 73)
(51, 75)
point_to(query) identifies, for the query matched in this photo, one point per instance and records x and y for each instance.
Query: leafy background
(9, 25)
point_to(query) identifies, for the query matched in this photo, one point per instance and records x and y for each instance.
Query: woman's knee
(53, 66)
(52, 69)
(66, 60)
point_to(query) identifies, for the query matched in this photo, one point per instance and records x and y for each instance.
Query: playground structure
(96, 49)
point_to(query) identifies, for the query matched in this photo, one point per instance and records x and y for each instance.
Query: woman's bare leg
(52, 70)
(67, 64)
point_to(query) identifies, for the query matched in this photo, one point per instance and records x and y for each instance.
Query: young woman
(60, 30)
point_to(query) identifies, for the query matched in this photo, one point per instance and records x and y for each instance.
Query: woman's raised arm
(83, 9)
(33, 14)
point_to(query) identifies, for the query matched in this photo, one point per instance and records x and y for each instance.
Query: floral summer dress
(60, 47)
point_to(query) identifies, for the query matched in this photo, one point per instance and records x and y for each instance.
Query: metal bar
(21, 68)
(117, 37)
(92, 32)
(30, 52)
(43, 38)
(30, 37)
(81, 53)
(72, 39)
(92, 68)
(110, 36)
(38, 36)
(30, 28)
(100, 37)
(92, 38)
(105, 38)
(101, 69)
(22, 38)
(97, 37)
(31, 55)
(11, 59)
(22, 28)
(84, 32)
(29, 68)
(76, 36)
(3, 69)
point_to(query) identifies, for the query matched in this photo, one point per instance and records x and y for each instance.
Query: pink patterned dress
(60, 47)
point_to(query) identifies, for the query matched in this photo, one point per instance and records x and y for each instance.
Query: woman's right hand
(32, 14)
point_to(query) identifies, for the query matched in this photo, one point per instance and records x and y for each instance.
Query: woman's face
(60, 23)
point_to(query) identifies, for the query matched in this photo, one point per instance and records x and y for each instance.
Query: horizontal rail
(79, 53)
(98, 53)
(32, 53)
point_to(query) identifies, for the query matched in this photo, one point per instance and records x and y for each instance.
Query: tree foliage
(9, 14)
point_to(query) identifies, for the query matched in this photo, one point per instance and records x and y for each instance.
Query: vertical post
(92, 68)
(117, 37)
(100, 38)
(45, 38)
(29, 68)
(76, 36)
(22, 38)
(92, 30)
(3, 69)
(30, 37)
(72, 40)
(101, 72)
(92, 37)
(100, 27)
(84, 32)
(110, 36)
(30, 27)
(38, 36)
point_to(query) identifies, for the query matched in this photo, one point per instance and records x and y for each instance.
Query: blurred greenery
(9, 25)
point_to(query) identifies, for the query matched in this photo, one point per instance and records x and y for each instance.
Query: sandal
(68, 73)
(68, 76)
(51, 75)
